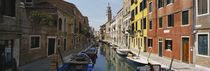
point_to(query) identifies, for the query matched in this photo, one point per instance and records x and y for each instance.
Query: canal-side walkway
(165, 62)
(44, 63)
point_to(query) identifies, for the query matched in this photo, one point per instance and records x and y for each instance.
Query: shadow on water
(108, 60)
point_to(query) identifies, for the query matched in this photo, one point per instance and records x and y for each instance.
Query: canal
(108, 60)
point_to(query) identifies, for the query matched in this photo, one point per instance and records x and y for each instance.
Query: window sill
(160, 8)
(206, 56)
(150, 12)
(170, 27)
(35, 48)
(169, 50)
(202, 14)
(184, 25)
(169, 4)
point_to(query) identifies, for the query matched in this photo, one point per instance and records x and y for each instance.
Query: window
(64, 45)
(136, 25)
(203, 44)
(141, 6)
(59, 42)
(150, 43)
(171, 20)
(133, 27)
(141, 24)
(132, 1)
(60, 24)
(150, 25)
(150, 7)
(132, 15)
(28, 0)
(185, 18)
(145, 23)
(202, 6)
(65, 25)
(8, 7)
(161, 22)
(144, 4)
(160, 3)
(168, 45)
(136, 10)
(169, 2)
(35, 41)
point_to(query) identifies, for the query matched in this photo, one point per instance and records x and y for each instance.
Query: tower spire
(108, 13)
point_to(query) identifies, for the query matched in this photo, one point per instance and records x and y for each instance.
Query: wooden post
(171, 62)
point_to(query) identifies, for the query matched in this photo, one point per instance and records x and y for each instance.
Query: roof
(65, 6)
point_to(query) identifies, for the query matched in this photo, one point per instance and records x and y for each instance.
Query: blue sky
(95, 10)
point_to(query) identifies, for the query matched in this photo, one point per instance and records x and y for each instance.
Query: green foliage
(42, 18)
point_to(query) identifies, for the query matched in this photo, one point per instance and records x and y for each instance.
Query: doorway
(51, 46)
(185, 50)
(160, 45)
(145, 43)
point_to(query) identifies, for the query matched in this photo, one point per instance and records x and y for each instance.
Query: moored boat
(138, 61)
(80, 62)
(92, 52)
(122, 52)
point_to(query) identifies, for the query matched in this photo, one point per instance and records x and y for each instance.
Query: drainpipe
(193, 26)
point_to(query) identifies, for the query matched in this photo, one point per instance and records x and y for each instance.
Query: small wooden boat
(152, 67)
(123, 52)
(92, 52)
(138, 61)
(80, 62)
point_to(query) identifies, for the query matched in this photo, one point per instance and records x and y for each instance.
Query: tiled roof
(65, 6)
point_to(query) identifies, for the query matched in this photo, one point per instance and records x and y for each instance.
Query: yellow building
(138, 29)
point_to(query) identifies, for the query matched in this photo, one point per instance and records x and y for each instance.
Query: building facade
(202, 30)
(170, 29)
(35, 29)
(138, 29)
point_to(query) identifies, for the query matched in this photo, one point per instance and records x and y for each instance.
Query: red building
(170, 29)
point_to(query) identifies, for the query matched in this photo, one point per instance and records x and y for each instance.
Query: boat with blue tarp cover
(81, 62)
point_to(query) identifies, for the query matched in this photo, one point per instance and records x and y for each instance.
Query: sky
(95, 10)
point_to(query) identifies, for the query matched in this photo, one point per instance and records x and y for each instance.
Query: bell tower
(108, 13)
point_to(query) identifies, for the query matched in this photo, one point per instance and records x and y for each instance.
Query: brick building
(35, 29)
(170, 29)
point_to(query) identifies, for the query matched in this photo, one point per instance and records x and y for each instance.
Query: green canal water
(108, 60)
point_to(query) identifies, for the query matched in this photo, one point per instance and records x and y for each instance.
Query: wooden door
(185, 50)
(51, 46)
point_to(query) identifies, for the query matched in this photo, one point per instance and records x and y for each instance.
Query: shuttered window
(169, 2)
(171, 20)
(185, 18)
(203, 44)
(161, 22)
(150, 25)
(202, 6)
(150, 7)
(145, 23)
(160, 3)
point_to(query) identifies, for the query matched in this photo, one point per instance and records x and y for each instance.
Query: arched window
(60, 24)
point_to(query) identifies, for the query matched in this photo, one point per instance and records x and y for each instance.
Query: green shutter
(185, 18)
(172, 20)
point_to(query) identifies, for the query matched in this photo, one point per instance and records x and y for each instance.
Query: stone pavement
(165, 62)
(43, 64)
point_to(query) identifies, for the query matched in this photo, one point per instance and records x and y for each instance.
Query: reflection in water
(108, 60)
